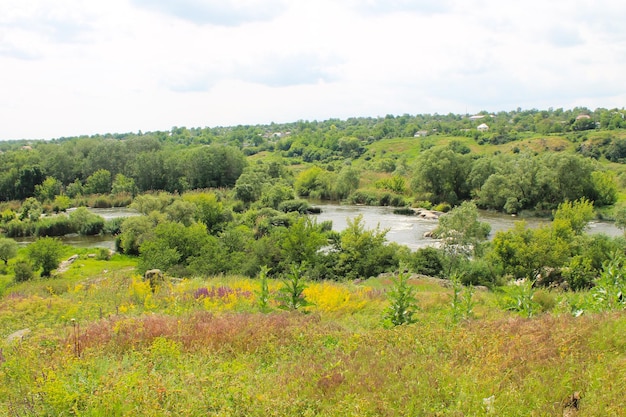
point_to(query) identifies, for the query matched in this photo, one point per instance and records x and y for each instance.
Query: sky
(84, 67)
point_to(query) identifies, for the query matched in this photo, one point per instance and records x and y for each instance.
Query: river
(410, 230)
(405, 230)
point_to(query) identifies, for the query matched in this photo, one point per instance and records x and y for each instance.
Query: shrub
(426, 261)
(18, 228)
(443, 207)
(113, 226)
(300, 206)
(23, 271)
(478, 272)
(103, 254)
(45, 253)
(425, 204)
(85, 222)
(54, 226)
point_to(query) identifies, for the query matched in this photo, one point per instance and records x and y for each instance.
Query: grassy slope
(177, 353)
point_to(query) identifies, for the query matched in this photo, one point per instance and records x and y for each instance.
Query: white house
(483, 127)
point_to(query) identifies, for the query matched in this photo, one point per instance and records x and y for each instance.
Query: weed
(403, 304)
(263, 294)
(462, 303)
(291, 295)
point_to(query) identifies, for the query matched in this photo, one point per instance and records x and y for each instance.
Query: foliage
(263, 294)
(575, 215)
(362, 253)
(520, 298)
(45, 253)
(462, 302)
(8, 249)
(61, 203)
(31, 209)
(440, 175)
(23, 271)
(426, 261)
(86, 223)
(461, 232)
(620, 219)
(610, 289)
(48, 189)
(403, 304)
(99, 182)
(291, 294)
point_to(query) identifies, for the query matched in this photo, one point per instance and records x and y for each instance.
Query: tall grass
(203, 346)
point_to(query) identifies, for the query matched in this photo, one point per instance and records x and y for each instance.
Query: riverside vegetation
(265, 312)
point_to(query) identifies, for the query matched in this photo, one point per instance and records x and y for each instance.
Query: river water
(410, 230)
(402, 229)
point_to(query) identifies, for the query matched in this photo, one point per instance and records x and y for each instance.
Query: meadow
(103, 343)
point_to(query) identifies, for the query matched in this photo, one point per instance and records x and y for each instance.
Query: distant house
(477, 117)
(420, 133)
(583, 116)
(483, 127)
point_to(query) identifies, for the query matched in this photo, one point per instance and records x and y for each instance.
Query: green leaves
(291, 295)
(403, 303)
(45, 253)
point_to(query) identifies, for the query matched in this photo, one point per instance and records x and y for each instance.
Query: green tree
(314, 182)
(575, 215)
(249, 185)
(209, 210)
(301, 241)
(605, 188)
(181, 211)
(461, 232)
(99, 182)
(85, 222)
(45, 253)
(8, 249)
(134, 231)
(442, 175)
(61, 203)
(31, 209)
(123, 184)
(347, 182)
(48, 189)
(362, 253)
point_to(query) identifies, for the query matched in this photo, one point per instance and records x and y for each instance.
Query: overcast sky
(73, 67)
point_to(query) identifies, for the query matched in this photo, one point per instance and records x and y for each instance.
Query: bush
(478, 272)
(300, 206)
(18, 228)
(45, 253)
(103, 254)
(23, 271)
(426, 261)
(113, 227)
(86, 223)
(54, 226)
(443, 207)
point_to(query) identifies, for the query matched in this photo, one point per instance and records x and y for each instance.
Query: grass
(202, 347)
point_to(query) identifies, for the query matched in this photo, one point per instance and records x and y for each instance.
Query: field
(102, 343)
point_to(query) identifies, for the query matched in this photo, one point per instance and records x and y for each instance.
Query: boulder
(155, 277)
(18, 335)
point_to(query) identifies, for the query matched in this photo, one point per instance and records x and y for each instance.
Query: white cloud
(74, 67)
